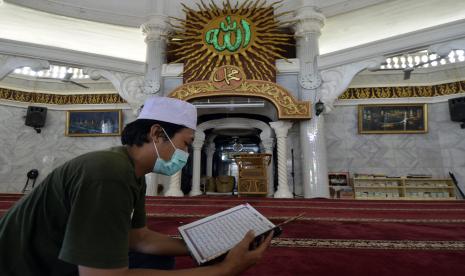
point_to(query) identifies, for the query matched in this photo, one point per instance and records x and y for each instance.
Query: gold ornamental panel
(286, 105)
(404, 91)
(59, 99)
(248, 35)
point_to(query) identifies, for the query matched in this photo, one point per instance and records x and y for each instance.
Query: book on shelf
(370, 176)
(419, 176)
(209, 239)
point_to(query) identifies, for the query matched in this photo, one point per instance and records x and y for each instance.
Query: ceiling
(135, 13)
(111, 27)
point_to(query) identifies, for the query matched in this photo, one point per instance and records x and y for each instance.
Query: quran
(209, 239)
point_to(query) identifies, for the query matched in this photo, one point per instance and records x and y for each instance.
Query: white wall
(22, 149)
(437, 152)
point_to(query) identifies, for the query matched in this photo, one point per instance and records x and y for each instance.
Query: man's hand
(240, 258)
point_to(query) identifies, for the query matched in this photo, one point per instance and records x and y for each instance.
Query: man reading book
(89, 213)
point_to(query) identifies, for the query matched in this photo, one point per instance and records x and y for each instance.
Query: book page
(212, 236)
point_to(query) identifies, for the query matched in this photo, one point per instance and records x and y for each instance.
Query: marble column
(313, 153)
(268, 145)
(175, 185)
(152, 182)
(210, 151)
(281, 129)
(196, 162)
(154, 31)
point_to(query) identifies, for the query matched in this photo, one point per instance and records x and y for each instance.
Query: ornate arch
(239, 123)
(286, 105)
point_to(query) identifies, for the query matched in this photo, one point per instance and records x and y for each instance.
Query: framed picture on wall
(392, 118)
(93, 123)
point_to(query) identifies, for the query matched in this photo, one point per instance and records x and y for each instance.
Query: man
(89, 213)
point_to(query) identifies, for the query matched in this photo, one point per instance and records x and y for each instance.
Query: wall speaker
(35, 116)
(457, 109)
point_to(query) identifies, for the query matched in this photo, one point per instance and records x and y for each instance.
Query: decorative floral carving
(288, 107)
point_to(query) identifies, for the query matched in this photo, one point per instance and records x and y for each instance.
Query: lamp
(319, 107)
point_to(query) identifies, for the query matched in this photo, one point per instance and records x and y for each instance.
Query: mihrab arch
(287, 106)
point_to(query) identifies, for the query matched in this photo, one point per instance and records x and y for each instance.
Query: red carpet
(336, 237)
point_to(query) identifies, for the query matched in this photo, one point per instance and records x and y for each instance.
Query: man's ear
(156, 133)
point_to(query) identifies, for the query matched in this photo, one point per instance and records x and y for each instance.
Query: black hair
(136, 132)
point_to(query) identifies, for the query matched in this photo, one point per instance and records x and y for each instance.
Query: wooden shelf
(378, 187)
(406, 189)
(422, 198)
(442, 188)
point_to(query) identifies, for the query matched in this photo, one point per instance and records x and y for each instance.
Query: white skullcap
(169, 110)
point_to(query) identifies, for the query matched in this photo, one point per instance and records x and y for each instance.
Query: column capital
(268, 144)
(199, 139)
(210, 148)
(309, 20)
(281, 128)
(155, 29)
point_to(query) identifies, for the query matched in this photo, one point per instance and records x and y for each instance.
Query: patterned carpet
(336, 237)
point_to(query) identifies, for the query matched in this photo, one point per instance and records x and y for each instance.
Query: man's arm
(143, 240)
(239, 259)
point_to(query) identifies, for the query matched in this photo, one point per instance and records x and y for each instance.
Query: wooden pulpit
(253, 178)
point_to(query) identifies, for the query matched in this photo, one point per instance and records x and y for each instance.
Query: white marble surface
(22, 149)
(437, 152)
(293, 143)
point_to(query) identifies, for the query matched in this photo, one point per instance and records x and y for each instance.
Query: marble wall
(22, 149)
(437, 152)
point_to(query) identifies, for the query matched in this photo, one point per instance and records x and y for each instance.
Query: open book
(210, 238)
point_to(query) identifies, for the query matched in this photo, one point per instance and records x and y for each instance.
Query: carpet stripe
(331, 219)
(311, 207)
(365, 244)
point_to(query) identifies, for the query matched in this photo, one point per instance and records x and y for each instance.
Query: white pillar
(175, 185)
(268, 147)
(281, 128)
(210, 151)
(154, 31)
(152, 184)
(196, 162)
(312, 140)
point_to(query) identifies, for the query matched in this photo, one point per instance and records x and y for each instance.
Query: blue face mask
(176, 163)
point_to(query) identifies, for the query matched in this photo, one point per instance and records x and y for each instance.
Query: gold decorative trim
(59, 99)
(287, 106)
(404, 91)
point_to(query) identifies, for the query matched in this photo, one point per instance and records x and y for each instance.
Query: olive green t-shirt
(80, 214)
